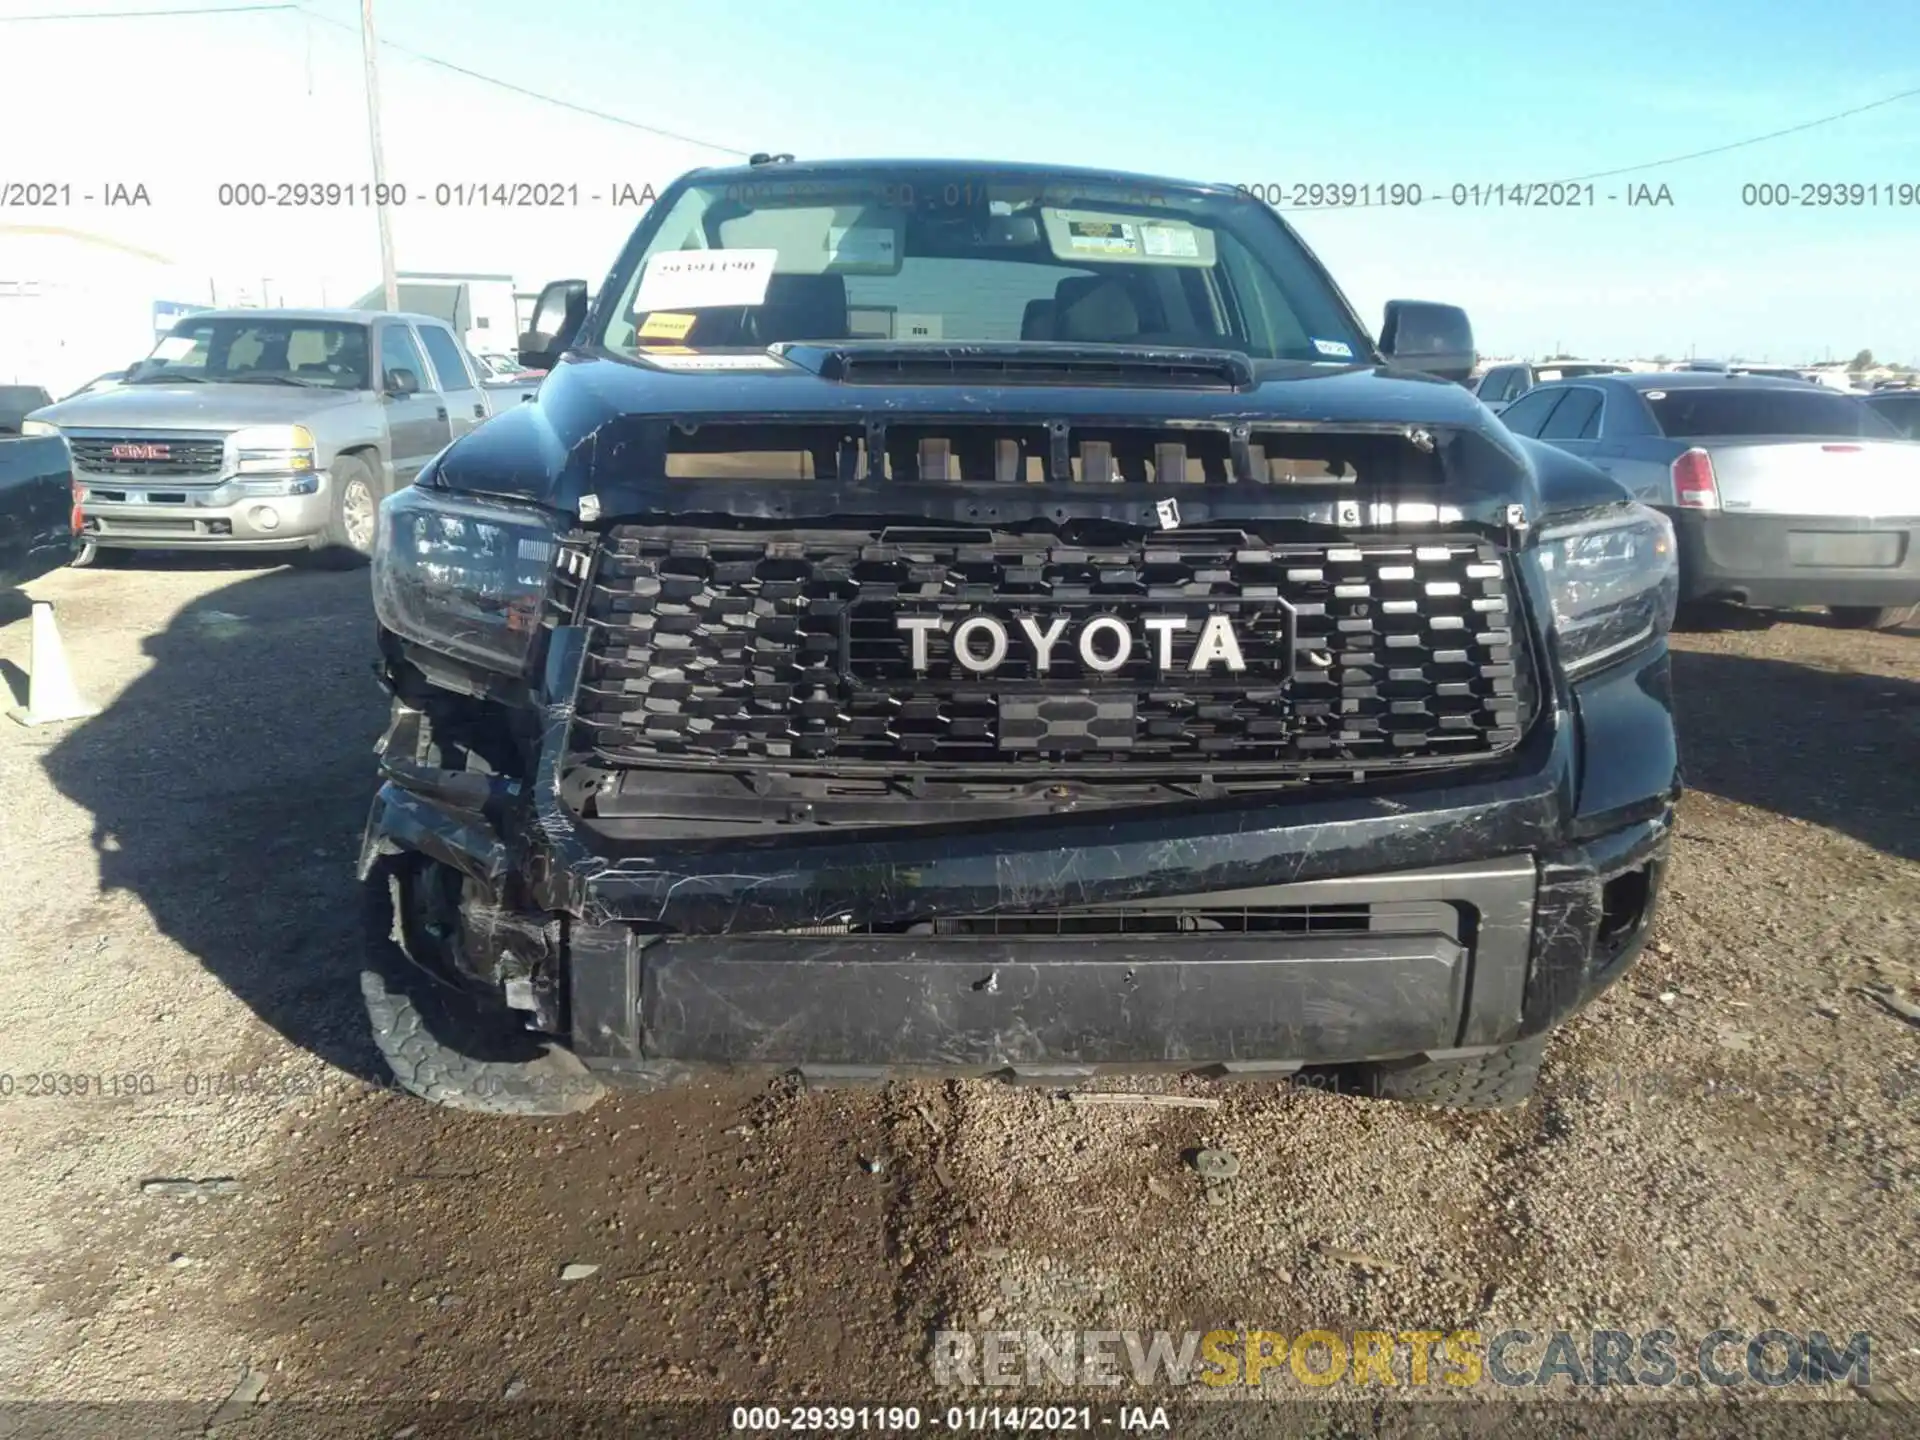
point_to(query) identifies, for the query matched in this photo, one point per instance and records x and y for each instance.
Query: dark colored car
(1782, 493)
(39, 510)
(1004, 620)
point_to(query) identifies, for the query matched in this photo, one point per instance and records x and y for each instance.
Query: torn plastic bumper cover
(1451, 918)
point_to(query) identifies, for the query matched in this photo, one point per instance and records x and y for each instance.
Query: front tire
(347, 542)
(444, 1044)
(1871, 617)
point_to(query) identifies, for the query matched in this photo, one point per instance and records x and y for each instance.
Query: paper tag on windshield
(1337, 348)
(861, 245)
(174, 347)
(665, 325)
(701, 279)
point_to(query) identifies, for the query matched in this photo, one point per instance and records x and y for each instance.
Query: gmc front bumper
(1468, 910)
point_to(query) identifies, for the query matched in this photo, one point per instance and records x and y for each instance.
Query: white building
(75, 304)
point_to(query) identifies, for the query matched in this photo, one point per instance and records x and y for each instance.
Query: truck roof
(977, 169)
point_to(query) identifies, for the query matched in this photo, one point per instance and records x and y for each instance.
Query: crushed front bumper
(1447, 917)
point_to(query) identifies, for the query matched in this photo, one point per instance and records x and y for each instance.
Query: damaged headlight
(462, 577)
(1613, 582)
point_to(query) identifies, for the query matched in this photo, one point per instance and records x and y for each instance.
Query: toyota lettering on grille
(1103, 644)
(132, 450)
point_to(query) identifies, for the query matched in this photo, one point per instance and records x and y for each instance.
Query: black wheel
(347, 542)
(1501, 1080)
(1870, 617)
(443, 1043)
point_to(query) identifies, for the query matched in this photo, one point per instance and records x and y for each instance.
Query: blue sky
(1355, 92)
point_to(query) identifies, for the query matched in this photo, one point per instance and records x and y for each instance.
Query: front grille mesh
(185, 455)
(780, 652)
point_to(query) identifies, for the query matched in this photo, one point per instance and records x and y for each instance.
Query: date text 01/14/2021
(461, 195)
(1474, 195)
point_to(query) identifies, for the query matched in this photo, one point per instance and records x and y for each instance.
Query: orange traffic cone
(51, 694)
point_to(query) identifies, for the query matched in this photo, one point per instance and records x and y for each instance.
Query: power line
(1751, 140)
(1669, 160)
(147, 14)
(508, 85)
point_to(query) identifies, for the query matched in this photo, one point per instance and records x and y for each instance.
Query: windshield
(264, 350)
(1690, 413)
(943, 256)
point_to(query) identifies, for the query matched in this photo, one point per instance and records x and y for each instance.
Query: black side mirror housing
(402, 382)
(557, 317)
(1422, 335)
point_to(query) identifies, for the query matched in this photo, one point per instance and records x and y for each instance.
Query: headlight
(38, 427)
(270, 450)
(464, 578)
(1613, 581)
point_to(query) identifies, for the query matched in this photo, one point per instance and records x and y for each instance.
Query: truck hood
(600, 420)
(212, 407)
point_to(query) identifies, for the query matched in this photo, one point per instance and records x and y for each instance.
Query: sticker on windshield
(1103, 237)
(691, 361)
(665, 325)
(1338, 348)
(1656, 395)
(174, 347)
(701, 279)
(1172, 241)
(850, 246)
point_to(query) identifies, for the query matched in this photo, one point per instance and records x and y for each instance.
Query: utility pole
(368, 48)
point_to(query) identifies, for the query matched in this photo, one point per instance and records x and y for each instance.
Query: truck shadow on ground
(1834, 748)
(228, 787)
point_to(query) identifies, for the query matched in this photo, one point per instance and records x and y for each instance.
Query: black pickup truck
(1003, 620)
(38, 513)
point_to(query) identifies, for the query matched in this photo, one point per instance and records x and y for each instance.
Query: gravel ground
(1726, 1139)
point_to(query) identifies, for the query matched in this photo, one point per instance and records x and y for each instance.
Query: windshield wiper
(157, 376)
(258, 377)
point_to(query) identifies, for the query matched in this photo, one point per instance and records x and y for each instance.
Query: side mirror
(1422, 335)
(402, 382)
(557, 317)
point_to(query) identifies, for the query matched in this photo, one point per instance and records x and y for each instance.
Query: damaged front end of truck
(1027, 709)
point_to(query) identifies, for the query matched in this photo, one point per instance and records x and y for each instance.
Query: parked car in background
(1702, 367)
(1770, 372)
(498, 366)
(1503, 384)
(16, 403)
(111, 380)
(39, 516)
(1781, 493)
(1900, 408)
(266, 430)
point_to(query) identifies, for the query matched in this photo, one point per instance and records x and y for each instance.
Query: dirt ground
(1729, 1138)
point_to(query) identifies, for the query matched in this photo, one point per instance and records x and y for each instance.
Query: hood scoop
(1034, 364)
